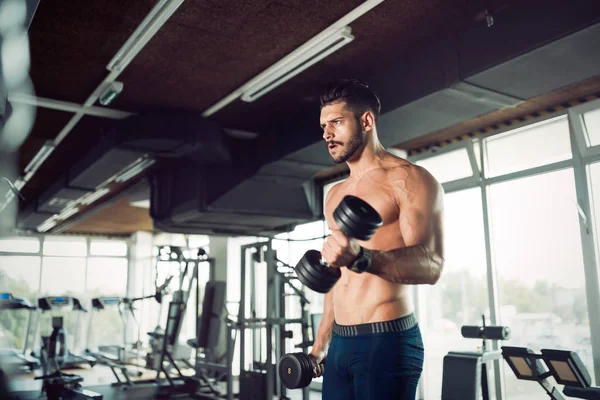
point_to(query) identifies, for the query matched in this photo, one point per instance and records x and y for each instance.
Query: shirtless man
(368, 330)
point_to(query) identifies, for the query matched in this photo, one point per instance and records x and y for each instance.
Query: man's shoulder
(400, 170)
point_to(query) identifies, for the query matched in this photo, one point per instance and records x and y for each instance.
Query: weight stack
(253, 385)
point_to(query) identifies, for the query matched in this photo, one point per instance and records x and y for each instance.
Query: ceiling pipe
(155, 19)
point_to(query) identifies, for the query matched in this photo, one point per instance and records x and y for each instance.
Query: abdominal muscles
(365, 298)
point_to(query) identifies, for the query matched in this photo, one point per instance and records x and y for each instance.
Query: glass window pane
(460, 296)
(106, 277)
(64, 276)
(594, 177)
(19, 276)
(537, 253)
(540, 144)
(20, 245)
(197, 241)
(327, 188)
(108, 248)
(65, 247)
(449, 166)
(591, 121)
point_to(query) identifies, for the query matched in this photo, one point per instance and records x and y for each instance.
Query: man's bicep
(420, 211)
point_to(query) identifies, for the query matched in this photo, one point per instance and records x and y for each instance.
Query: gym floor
(99, 379)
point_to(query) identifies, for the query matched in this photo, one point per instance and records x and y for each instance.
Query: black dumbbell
(356, 219)
(296, 370)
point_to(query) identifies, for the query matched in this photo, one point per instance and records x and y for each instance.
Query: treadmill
(67, 360)
(13, 359)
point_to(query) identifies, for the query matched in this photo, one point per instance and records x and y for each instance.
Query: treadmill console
(100, 303)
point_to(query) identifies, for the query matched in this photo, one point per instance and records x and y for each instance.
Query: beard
(355, 143)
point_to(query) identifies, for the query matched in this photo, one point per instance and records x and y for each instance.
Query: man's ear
(368, 121)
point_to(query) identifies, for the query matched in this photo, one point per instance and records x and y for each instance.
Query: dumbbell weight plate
(314, 275)
(295, 370)
(356, 218)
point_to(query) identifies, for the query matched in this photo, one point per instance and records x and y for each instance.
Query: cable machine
(262, 313)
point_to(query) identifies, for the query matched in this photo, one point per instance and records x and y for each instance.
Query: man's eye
(337, 122)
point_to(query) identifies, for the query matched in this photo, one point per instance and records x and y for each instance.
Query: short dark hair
(356, 94)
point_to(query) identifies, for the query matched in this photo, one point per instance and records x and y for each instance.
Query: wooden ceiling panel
(71, 42)
(118, 218)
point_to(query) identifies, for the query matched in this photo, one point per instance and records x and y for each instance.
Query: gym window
(438, 165)
(522, 148)
(20, 245)
(67, 247)
(108, 248)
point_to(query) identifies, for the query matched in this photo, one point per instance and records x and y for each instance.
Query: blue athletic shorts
(376, 361)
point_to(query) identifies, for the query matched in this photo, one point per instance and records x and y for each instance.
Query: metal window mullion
(591, 159)
(461, 184)
(530, 172)
(592, 283)
(492, 281)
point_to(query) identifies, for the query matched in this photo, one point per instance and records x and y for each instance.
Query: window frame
(582, 158)
(578, 128)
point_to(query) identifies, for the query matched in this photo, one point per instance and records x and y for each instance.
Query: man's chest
(380, 197)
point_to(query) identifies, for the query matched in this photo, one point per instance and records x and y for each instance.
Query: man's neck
(369, 158)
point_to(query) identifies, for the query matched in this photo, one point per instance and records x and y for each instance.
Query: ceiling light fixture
(89, 199)
(40, 157)
(110, 93)
(46, 225)
(337, 28)
(142, 35)
(134, 170)
(295, 63)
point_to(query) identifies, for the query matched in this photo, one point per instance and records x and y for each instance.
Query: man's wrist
(363, 261)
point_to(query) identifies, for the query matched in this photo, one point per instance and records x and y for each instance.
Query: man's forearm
(411, 265)
(325, 327)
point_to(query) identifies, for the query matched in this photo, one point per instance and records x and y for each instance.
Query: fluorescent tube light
(134, 170)
(40, 157)
(46, 225)
(94, 196)
(67, 213)
(142, 35)
(295, 63)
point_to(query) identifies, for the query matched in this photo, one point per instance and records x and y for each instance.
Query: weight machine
(465, 373)
(259, 379)
(56, 384)
(565, 366)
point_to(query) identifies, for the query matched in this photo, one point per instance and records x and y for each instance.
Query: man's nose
(327, 133)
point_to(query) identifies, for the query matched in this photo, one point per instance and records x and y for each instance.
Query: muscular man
(368, 331)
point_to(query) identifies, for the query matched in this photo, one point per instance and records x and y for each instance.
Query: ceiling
(208, 49)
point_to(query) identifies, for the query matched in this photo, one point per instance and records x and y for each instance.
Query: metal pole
(273, 309)
(242, 310)
(229, 349)
(491, 272)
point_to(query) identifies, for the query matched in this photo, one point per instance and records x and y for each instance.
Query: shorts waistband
(397, 325)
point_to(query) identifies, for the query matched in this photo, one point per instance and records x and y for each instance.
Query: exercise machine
(465, 373)
(265, 321)
(57, 384)
(208, 372)
(114, 356)
(565, 366)
(67, 358)
(12, 359)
